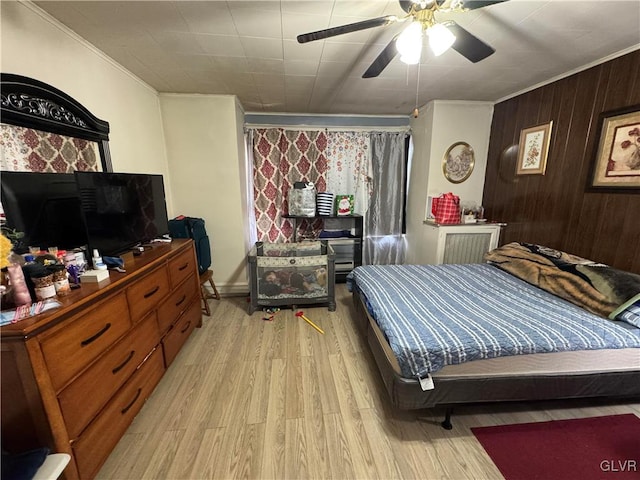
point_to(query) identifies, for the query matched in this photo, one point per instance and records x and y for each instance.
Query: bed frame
(407, 394)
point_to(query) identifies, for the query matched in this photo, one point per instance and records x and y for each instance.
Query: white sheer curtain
(349, 167)
(384, 242)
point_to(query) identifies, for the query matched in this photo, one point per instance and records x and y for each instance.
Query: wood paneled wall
(556, 209)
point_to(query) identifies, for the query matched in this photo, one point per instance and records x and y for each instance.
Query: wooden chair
(205, 277)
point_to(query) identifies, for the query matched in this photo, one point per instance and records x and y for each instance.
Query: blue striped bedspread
(439, 315)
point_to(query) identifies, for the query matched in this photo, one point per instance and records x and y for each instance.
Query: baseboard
(233, 289)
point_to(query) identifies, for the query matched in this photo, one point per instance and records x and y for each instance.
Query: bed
(443, 335)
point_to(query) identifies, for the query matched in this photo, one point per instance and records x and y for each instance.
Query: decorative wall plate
(458, 162)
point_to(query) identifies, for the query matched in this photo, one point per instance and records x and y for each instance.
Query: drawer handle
(152, 292)
(184, 297)
(184, 266)
(121, 366)
(87, 341)
(186, 327)
(126, 409)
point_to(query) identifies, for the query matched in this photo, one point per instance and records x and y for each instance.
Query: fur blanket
(593, 286)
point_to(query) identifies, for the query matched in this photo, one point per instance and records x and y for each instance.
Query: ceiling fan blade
(469, 45)
(351, 27)
(474, 4)
(405, 5)
(381, 62)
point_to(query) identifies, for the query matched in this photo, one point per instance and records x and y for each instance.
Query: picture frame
(458, 162)
(616, 163)
(533, 149)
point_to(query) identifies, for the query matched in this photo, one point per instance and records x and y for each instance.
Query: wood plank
(294, 403)
(316, 404)
(275, 429)
(364, 465)
(339, 447)
(210, 454)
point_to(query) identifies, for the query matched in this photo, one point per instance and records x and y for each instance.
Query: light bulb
(440, 39)
(409, 44)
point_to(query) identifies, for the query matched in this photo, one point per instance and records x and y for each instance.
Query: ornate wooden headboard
(31, 104)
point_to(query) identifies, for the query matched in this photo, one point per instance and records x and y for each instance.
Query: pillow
(628, 312)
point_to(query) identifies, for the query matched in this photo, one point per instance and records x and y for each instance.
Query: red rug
(582, 449)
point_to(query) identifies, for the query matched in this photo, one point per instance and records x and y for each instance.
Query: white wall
(439, 125)
(206, 162)
(38, 46)
(459, 122)
(421, 128)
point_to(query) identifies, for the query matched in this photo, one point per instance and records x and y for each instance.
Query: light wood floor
(247, 398)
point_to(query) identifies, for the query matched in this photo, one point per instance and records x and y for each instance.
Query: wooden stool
(204, 278)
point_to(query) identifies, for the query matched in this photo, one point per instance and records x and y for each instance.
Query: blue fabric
(441, 315)
(22, 466)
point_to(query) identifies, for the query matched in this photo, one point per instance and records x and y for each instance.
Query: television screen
(45, 207)
(122, 210)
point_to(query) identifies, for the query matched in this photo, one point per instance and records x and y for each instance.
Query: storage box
(95, 276)
(291, 274)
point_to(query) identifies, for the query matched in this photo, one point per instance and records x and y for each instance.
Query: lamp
(409, 44)
(440, 38)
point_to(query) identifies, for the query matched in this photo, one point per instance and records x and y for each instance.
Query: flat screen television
(122, 210)
(45, 207)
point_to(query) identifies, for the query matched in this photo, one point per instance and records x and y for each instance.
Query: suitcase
(191, 227)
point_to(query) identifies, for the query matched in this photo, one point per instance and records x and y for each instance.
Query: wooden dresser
(74, 378)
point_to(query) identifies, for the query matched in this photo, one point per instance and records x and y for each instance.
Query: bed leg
(446, 423)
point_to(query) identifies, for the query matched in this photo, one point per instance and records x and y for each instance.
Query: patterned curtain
(349, 167)
(282, 157)
(28, 150)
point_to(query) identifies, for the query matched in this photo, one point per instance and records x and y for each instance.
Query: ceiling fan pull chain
(416, 112)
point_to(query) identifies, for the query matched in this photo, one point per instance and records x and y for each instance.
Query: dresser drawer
(99, 439)
(176, 337)
(87, 394)
(147, 293)
(182, 266)
(178, 301)
(83, 338)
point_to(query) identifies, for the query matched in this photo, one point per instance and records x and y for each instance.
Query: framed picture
(617, 160)
(533, 150)
(458, 162)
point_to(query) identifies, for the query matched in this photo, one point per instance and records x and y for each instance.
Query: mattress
(562, 375)
(436, 317)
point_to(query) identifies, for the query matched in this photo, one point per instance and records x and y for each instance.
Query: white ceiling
(249, 48)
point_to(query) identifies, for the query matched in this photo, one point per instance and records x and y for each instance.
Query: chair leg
(204, 295)
(216, 295)
(208, 276)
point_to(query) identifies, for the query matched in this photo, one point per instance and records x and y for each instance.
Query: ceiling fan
(422, 18)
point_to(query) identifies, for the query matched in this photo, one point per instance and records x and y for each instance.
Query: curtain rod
(315, 128)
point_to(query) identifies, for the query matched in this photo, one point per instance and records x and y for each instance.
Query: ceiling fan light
(412, 59)
(409, 44)
(440, 39)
